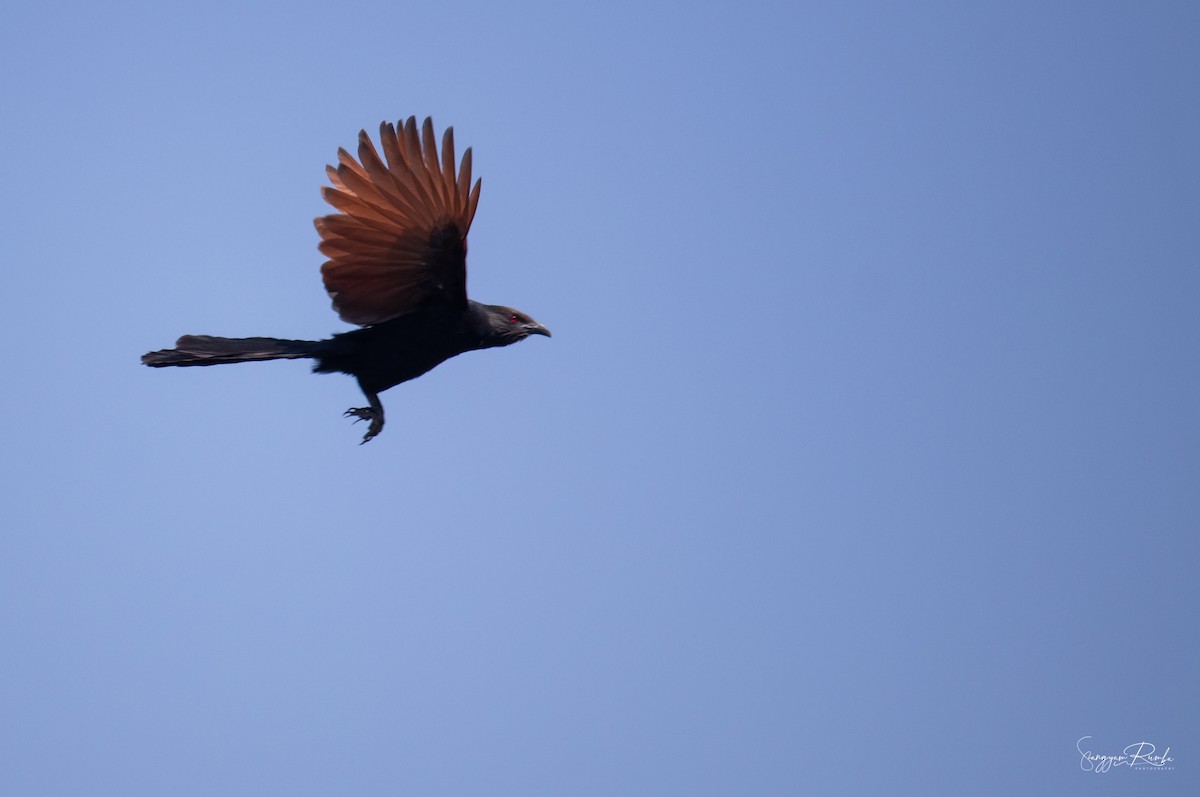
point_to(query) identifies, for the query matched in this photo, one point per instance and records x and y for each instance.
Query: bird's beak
(537, 329)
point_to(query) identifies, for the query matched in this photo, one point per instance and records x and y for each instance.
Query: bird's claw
(365, 414)
(359, 414)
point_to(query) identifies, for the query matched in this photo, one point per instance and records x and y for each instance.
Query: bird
(396, 268)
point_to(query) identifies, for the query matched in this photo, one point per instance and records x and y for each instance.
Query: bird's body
(397, 267)
(384, 355)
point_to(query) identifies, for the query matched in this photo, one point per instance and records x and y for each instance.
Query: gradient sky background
(864, 460)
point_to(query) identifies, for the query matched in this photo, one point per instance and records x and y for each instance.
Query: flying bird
(397, 267)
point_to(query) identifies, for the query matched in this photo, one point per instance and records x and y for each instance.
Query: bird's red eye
(512, 319)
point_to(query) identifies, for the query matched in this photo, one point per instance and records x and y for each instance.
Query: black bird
(397, 267)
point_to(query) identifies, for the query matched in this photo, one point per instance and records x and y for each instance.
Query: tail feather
(210, 350)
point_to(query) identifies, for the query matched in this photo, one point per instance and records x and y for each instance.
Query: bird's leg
(374, 414)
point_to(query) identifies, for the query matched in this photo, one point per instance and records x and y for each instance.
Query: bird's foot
(366, 414)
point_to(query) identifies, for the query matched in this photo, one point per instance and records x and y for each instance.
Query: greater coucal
(397, 267)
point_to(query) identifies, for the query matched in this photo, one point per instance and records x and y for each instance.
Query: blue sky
(864, 459)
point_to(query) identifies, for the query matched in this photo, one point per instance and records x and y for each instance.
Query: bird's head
(507, 326)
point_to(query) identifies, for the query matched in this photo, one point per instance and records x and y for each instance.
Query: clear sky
(865, 458)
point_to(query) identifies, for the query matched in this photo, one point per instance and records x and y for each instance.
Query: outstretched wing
(399, 242)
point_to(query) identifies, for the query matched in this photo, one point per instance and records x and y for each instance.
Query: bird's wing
(399, 242)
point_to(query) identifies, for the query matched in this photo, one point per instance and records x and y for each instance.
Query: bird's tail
(209, 350)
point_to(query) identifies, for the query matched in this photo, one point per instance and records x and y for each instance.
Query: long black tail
(209, 350)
